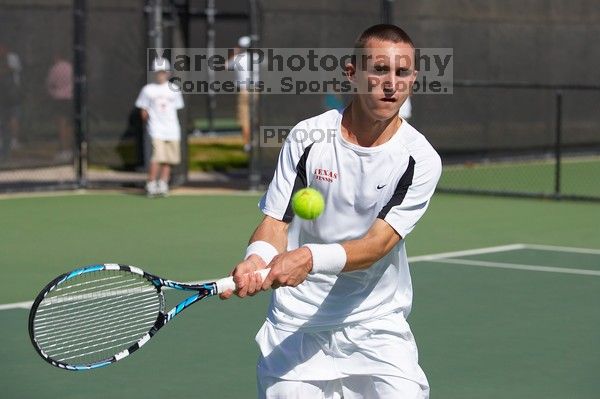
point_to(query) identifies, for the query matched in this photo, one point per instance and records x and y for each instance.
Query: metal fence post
(387, 11)
(80, 100)
(255, 172)
(211, 11)
(558, 144)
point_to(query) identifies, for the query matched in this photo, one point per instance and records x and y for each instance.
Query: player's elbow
(385, 245)
(275, 225)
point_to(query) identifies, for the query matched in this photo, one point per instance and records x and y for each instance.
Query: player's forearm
(272, 231)
(363, 253)
(354, 254)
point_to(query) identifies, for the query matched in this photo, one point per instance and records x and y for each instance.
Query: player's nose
(389, 85)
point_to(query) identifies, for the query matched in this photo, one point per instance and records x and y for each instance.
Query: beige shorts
(166, 151)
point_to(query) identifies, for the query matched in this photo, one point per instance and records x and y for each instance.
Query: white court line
(443, 255)
(18, 305)
(468, 252)
(517, 266)
(562, 249)
(435, 257)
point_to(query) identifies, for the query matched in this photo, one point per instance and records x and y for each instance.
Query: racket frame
(202, 291)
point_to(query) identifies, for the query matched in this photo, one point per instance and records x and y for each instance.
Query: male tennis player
(336, 326)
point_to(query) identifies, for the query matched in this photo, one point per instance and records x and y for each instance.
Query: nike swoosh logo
(380, 187)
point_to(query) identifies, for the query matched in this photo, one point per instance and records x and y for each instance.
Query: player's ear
(415, 74)
(350, 72)
(412, 80)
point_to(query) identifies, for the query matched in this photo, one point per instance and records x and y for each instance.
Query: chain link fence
(69, 82)
(36, 106)
(68, 119)
(70, 72)
(516, 139)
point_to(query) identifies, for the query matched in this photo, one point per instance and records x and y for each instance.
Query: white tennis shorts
(372, 359)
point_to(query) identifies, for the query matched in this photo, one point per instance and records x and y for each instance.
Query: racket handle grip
(227, 283)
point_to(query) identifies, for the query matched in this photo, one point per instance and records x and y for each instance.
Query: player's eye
(402, 72)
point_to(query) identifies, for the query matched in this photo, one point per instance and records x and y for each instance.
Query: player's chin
(384, 110)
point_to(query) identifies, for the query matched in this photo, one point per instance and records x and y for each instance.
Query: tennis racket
(97, 315)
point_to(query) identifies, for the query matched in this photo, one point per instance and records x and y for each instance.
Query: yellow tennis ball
(308, 203)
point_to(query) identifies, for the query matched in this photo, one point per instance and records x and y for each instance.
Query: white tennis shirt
(161, 102)
(393, 181)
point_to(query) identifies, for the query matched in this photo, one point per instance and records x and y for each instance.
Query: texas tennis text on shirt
(325, 175)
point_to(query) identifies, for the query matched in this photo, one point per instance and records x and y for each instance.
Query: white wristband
(263, 249)
(327, 258)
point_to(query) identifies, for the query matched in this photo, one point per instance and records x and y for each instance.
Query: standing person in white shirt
(336, 326)
(159, 103)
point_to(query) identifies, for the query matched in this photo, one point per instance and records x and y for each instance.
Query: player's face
(383, 77)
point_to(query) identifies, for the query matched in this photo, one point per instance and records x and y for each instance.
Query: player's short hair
(383, 32)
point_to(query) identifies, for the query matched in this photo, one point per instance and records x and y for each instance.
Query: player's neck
(358, 128)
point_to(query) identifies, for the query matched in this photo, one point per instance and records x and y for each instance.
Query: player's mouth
(389, 99)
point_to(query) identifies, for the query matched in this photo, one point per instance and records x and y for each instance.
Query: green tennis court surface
(579, 176)
(493, 318)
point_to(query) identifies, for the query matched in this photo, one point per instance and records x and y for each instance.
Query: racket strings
(93, 328)
(98, 354)
(99, 291)
(60, 288)
(94, 315)
(79, 312)
(80, 351)
(113, 329)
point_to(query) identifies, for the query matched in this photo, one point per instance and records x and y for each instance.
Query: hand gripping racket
(97, 315)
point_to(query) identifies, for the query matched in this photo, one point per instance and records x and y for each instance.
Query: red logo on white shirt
(325, 175)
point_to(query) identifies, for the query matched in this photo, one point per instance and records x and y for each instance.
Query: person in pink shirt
(59, 84)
